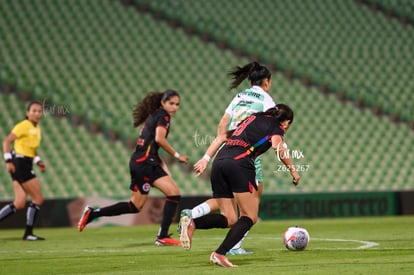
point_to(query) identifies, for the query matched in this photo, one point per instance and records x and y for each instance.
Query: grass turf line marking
(366, 244)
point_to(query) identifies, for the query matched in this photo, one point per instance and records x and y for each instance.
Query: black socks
(114, 210)
(31, 217)
(211, 221)
(170, 209)
(236, 233)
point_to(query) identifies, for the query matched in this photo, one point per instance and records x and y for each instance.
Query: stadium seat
(105, 60)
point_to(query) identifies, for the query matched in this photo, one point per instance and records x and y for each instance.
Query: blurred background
(345, 67)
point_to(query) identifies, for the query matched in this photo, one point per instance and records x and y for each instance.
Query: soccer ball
(296, 238)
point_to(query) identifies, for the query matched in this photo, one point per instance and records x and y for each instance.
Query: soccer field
(372, 245)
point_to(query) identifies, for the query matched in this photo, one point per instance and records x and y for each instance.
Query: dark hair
(252, 71)
(281, 111)
(150, 104)
(31, 103)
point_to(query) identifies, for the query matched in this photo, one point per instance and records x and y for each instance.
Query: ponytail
(252, 71)
(148, 105)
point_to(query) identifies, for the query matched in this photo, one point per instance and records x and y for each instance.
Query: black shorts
(143, 175)
(230, 176)
(24, 169)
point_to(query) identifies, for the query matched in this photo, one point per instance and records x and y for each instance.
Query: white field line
(365, 244)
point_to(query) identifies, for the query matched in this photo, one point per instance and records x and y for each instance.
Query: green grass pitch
(374, 245)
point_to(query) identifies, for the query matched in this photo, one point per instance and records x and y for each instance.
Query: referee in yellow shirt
(26, 136)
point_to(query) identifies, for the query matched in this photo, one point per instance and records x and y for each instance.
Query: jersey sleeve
(268, 103)
(277, 130)
(20, 129)
(163, 120)
(229, 109)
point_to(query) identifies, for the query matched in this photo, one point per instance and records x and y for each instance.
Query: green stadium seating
(99, 58)
(401, 8)
(339, 43)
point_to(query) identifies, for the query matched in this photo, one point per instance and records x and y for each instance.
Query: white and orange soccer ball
(296, 238)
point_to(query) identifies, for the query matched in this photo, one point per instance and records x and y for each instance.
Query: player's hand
(183, 159)
(200, 166)
(10, 167)
(42, 166)
(296, 177)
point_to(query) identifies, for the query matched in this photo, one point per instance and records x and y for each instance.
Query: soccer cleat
(184, 212)
(84, 220)
(167, 241)
(31, 237)
(239, 251)
(187, 230)
(221, 260)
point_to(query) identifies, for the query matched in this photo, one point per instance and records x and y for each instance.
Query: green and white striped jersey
(247, 102)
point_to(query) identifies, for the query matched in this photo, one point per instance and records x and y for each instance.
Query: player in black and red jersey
(146, 167)
(248, 101)
(233, 177)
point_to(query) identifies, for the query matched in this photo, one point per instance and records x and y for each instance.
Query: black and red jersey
(147, 148)
(252, 137)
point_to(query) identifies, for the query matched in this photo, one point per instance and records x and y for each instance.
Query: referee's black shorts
(230, 176)
(143, 175)
(23, 169)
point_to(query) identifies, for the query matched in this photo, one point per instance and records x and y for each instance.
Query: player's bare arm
(281, 150)
(161, 140)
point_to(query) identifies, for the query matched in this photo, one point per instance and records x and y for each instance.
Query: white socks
(200, 210)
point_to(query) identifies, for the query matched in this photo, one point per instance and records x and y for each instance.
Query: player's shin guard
(7, 210)
(170, 209)
(31, 215)
(236, 233)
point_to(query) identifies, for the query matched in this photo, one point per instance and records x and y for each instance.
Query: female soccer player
(146, 167)
(233, 176)
(249, 101)
(26, 136)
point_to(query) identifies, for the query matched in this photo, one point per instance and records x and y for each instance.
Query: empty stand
(338, 43)
(98, 59)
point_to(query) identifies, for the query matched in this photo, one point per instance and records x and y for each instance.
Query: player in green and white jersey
(252, 100)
